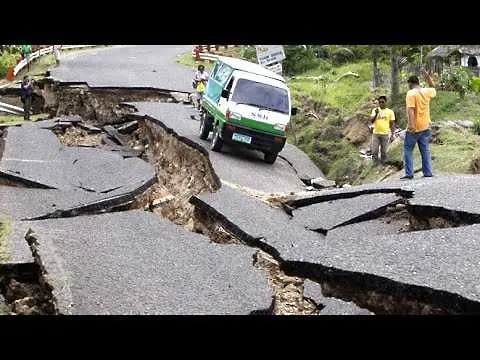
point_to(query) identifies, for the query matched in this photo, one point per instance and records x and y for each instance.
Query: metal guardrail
(206, 56)
(42, 52)
(6, 110)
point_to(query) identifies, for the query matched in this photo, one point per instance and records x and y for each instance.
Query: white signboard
(269, 54)
(276, 68)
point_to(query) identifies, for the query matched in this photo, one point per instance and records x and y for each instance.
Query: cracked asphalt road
(437, 262)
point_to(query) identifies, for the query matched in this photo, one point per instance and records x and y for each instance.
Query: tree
(376, 71)
(395, 73)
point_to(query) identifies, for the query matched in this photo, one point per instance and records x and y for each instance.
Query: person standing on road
(200, 84)
(26, 52)
(56, 53)
(418, 127)
(383, 121)
(26, 93)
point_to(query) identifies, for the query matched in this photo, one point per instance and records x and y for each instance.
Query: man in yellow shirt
(418, 128)
(383, 120)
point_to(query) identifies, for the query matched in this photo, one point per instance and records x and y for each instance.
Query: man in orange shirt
(418, 128)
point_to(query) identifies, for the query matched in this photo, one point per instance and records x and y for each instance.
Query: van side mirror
(294, 111)
(225, 93)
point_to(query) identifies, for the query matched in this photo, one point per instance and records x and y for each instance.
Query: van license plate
(242, 138)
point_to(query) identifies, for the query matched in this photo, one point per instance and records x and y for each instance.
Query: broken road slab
(304, 166)
(123, 151)
(13, 250)
(37, 155)
(332, 306)
(89, 128)
(20, 203)
(30, 143)
(330, 214)
(237, 166)
(115, 135)
(128, 127)
(29, 203)
(57, 122)
(374, 227)
(137, 263)
(439, 266)
(456, 193)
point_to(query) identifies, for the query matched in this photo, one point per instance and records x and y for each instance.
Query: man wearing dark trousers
(383, 121)
(26, 93)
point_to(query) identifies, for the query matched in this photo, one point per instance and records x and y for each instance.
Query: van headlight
(282, 127)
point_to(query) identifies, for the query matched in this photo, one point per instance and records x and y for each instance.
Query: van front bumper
(259, 140)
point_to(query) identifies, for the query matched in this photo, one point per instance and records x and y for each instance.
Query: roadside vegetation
(18, 119)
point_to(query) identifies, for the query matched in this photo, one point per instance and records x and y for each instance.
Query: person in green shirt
(26, 52)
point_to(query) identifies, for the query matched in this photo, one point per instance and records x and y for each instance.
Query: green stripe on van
(245, 122)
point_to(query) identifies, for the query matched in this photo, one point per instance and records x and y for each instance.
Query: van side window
(215, 69)
(223, 73)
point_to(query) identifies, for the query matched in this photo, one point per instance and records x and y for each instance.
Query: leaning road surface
(137, 263)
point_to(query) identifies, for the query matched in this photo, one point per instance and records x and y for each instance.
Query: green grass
(346, 94)
(18, 119)
(189, 61)
(460, 147)
(5, 231)
(448, 105)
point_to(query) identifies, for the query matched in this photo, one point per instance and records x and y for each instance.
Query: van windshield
(261, 95)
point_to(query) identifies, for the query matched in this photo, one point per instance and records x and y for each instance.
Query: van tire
(270, 158)
(205, 126)
(217, 142)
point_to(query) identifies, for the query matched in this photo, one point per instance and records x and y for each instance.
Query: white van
(247, 105)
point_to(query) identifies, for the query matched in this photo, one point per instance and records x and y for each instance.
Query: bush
(342, 55)
(455, 79)
(476, 127)
(475, 84)
(248, 52)
(330, 133)
(7, 59)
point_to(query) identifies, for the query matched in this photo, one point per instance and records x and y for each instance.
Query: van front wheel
(217, 142)
(270, 157)
(205, 126)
